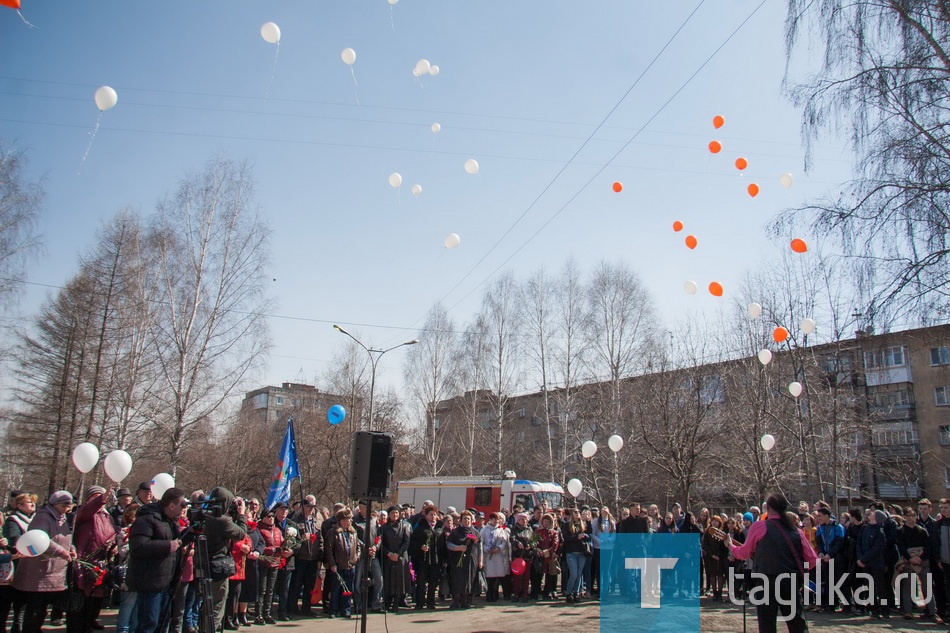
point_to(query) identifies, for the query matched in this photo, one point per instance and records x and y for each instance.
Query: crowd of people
(169, 562)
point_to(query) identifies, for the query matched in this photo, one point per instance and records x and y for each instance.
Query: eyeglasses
(253, 503)
(183, 504)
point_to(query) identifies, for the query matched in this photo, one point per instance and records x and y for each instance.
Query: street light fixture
(374, 356)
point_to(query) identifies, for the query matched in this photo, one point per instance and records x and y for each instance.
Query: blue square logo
(650, 584)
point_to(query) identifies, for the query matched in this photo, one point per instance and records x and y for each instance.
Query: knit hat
(748, 517)
(94, 490)
(60, 496)
(880, 517)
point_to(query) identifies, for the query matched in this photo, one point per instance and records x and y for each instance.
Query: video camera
(204, 510)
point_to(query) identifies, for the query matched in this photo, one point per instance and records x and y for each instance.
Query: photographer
(221, 522)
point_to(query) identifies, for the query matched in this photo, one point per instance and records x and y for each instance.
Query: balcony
(892, 412)
(888, 376)
(897, 451)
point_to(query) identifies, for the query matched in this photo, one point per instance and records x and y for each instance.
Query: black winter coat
(151, 561)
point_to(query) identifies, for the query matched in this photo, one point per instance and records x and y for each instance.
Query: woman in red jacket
(268, 565)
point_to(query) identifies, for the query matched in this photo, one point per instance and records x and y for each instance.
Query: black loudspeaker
(371, 466)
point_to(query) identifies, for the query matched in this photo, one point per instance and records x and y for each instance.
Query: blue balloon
(336, 414)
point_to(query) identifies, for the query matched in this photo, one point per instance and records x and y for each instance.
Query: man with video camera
(221, 523)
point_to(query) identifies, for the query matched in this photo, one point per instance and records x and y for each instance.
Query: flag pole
(290, 421)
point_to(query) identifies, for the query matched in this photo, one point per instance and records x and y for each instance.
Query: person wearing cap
(394, 546)
(123, 499)
(342, 552)
(41, 578)
(308, 557)
(287, 551)
(94, 536)
(143, 495)
(221, 532)
(154, 542)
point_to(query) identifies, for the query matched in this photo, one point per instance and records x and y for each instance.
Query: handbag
(222, 567)
(72, 599)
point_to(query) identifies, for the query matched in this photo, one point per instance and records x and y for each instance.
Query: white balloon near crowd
(118, 465)
(588, 449)
(575, 487)
(754, 310)
(160, 483)
(767, 442)
(808, 326)
(85, 457)
(33, 543)
(765, 356)
(795, 388)
(690, 287)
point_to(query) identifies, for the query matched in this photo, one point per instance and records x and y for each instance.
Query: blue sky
(522, 86)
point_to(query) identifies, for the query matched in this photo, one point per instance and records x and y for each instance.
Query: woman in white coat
(496, 554)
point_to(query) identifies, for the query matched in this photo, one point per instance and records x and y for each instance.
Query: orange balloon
(715, 289)
(677, 226)
(718, 121)
(691, 241)
(799, 245)
(13, 4)
(715, 147)
(753, 189)
(618, 187)
(741, 163)
(780, 334)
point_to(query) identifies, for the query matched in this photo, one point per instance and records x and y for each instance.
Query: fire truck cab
(484, 493)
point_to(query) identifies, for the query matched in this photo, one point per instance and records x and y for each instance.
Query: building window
(280, 401)
(946, 477)
(840, 364)
(713, 390)
(898, 398)
(887, 357)
(536, 421)
(942, 396)
(945, 436)
(521, 413)
(436, 423)
(940, 355)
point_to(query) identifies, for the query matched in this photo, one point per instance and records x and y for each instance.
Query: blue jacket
(830, 538)
(870, 547)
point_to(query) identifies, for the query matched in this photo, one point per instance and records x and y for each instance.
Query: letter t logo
(650, 578)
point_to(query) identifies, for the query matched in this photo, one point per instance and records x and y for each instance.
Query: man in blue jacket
(831, 550)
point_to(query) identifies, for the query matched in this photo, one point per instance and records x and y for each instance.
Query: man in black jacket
(308, 558)
(153, 552)
(221, 532)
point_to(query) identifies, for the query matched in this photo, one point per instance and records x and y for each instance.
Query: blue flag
(287, 469)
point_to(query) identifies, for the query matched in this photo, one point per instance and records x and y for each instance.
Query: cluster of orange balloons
(741, 163)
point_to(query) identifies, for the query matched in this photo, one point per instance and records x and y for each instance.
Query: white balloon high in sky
(106, 98)
(452, 240)
(436, 128)
(395, 180)
(349, 57)
(471, 166)
(271, 33)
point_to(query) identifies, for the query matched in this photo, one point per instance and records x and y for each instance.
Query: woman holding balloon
(42, 575)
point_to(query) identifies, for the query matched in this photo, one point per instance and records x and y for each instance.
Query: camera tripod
(202, 566)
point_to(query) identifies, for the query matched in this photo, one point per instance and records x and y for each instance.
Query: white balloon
(348, 56)
(765, 356)
(433, 70)
(452, 240)
(118, 465)
(574, 486)
(767, 442)
(85, 457)
(795, 388)
(615, 442)
(393, 1)
(160, 483)
(588, 449)
(754, 310)
(690, 287)
(786, 180)
(106, 98)
(271, 33)
(808, 326)
(436, 128)
(416, 190)
(416, 73)
(395, 180)
(423, 66)
(33, 543)
(471, 166)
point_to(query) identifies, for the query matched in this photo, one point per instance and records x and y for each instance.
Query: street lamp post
(367, 583)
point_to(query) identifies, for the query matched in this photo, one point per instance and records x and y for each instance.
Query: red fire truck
(485, 493)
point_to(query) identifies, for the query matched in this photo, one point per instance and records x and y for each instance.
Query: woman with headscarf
(464, 548)
(496, 554)
(394, 545)
(520, 540)
(548, 550)
(426, 558)
(43, 578)
(94, 535)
